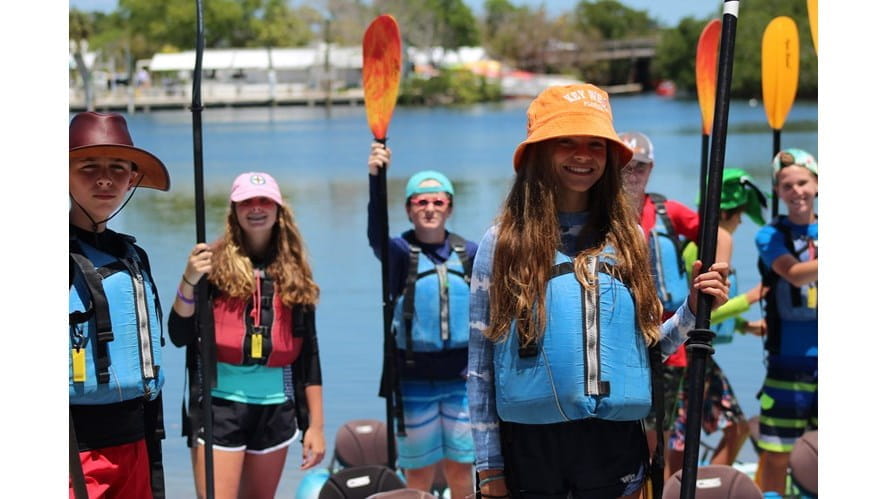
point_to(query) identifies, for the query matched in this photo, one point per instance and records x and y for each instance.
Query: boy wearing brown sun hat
(114, 373)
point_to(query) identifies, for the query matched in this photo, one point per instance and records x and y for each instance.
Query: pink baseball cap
(255, 184)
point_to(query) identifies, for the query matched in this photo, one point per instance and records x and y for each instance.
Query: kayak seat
(715, 481)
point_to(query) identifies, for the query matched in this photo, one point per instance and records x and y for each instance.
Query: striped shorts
(436, 423)
(789, 400)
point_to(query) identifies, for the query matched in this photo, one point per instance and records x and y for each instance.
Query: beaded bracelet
(189, 301)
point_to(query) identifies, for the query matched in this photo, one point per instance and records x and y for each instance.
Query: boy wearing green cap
(721, 410)
(429, 270)
(789, 263)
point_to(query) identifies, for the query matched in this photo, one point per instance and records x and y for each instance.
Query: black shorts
(587, 459)
(257, 429)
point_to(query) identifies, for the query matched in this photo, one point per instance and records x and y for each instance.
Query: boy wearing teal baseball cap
(429, 269)
(789, 261)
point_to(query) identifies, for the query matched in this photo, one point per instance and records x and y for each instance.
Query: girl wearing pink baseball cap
(263, 299)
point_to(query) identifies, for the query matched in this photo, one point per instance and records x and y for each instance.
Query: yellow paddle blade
(813, 15)
(381, 72)
(707, 71)
(779, 69)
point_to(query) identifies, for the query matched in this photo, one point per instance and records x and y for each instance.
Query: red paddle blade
(779, 67)
(381, 72)
(707, 72)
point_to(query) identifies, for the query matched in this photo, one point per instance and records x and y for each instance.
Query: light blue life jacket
(591, 362)
(665, 256)
(431, 314)
(115, 328)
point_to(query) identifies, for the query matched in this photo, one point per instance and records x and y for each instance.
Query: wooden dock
(143, 100)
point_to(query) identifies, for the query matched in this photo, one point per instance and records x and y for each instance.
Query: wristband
(491, 478)
(189, 301)
(189, 283)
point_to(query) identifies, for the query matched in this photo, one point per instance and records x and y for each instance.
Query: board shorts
(586, 459)
(117, 471)
(789, 405)
(436, 422)
(672, 376)
(254, 428)
(720, 409)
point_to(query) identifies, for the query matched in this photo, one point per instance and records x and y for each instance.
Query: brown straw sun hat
(92, 135)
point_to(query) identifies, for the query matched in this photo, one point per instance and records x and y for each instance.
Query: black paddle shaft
(205, 325)
(776, 147)
(703, 171)
(389, 378)
(699, 345)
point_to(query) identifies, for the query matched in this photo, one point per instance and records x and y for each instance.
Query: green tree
(433, 23)
(676, 53)
(676, 56)
(281, 26)
(612, 20)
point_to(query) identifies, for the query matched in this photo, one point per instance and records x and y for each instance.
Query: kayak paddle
(706, 78)
(779, 78)
(381, 81)
(203, 360)
(813, 16)
(699, 344)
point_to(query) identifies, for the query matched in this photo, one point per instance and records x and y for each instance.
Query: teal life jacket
(665, 256)
(431, 315)
(783, 301)
(115, 327)
(591, 361)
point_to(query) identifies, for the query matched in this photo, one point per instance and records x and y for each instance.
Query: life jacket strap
(100, 310)
(670, 232)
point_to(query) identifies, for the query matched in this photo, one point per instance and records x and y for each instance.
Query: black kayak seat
(715, 481)
(360, 482)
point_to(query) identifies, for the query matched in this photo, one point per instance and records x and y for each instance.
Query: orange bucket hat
(578, 109)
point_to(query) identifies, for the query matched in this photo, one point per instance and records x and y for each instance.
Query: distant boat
(666, 88)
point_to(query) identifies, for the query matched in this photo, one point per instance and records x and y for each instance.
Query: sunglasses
(423, 202)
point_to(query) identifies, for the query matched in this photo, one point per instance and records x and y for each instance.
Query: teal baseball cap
(414, 181)
(794, 157)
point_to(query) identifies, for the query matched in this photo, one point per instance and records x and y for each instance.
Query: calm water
(320, 163)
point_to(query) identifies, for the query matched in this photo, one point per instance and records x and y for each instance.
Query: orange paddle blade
(813, 15)
(707, 71)
(779, 69)
(381, 72)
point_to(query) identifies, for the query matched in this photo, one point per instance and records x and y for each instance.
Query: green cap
(739, 191)
(414, 181)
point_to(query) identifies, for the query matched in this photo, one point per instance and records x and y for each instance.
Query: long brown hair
(288, 266)
(529, 235)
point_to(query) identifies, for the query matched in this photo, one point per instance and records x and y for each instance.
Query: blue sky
(667, 11)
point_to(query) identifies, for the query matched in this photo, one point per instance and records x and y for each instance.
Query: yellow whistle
(78, 363)
(256, 346)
